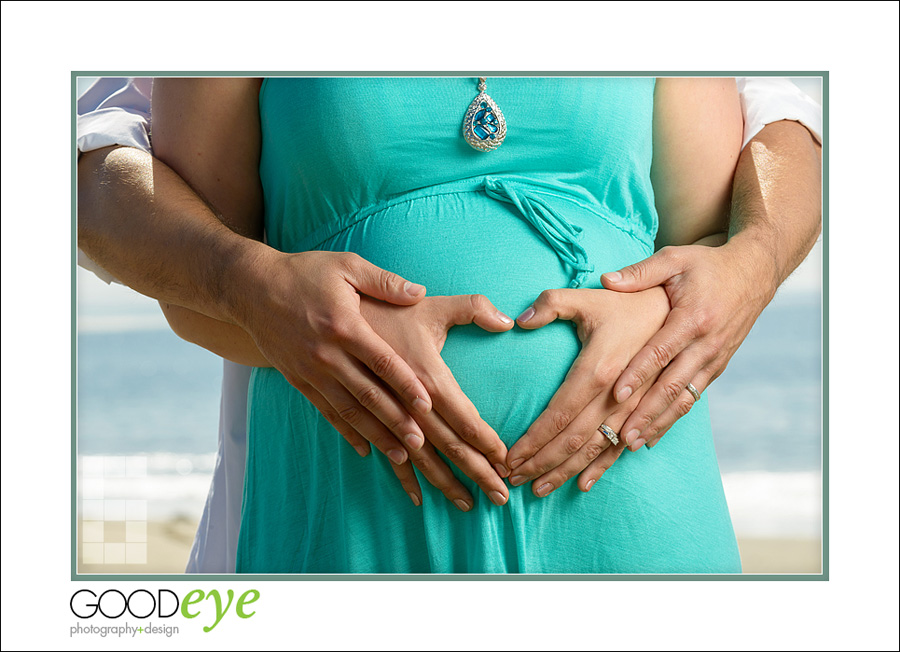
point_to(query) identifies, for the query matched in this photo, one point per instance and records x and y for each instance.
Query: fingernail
(544, 489)
(516, 480)
(462, 505)
(362, 450)
(415, 499)
(502, 471)
(631, 436)
(590, 483)
(613, 277)
(652, 444)
(497, 498)
(623, 394)
(636, 446)
(397, 456)
(528, 314)
(503, 318)
(413, 289)
(516, 463)
(421, 405)
(415, 442)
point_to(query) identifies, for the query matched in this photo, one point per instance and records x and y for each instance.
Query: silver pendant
(484, 127)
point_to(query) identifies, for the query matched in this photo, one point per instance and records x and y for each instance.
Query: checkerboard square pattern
(113, 526)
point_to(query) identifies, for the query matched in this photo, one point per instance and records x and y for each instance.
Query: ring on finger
(609, 433)
(693, 391)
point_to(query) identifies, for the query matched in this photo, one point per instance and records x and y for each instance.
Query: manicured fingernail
(516, 480)
(516, 463)
(631, 436)
(502, 471)
(413, 289)
(544, 489)
(613, 277)
(623, 394)
(421, 405)
(414, 441)
(397, 456)
(636, 446)
(528, 314)
(415, 499)
(497, 498)
(590, 483)
(462, 505)
(503, 318)
(362, 450)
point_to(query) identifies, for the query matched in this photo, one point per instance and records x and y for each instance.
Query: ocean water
(144, 393)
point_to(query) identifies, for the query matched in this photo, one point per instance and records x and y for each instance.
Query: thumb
(468, 308)
(382, 284)
(643, 275)
(549, 306)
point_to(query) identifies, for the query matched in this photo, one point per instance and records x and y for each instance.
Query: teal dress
(379, 167)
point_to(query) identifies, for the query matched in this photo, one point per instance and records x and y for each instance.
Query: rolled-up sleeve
(113, 111)
(769, 99)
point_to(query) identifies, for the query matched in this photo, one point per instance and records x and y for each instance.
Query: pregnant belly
(469, 243)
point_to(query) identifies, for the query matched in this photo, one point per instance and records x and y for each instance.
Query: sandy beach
(169, 543)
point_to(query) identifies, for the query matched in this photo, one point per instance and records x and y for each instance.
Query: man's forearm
(142, 223)
(776, 211)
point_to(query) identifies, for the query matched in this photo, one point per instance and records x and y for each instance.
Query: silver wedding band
(609, 434)
(694, 392)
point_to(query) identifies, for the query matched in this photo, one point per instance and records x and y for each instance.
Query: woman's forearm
(226, 340)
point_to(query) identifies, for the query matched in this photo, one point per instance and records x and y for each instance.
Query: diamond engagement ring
(694, 392)
(610, 435)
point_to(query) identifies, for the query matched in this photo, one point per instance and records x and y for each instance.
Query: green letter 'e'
(189, 600)
(239, 607)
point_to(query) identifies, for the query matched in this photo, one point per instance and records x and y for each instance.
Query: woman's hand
(564, 440)
(454, 426)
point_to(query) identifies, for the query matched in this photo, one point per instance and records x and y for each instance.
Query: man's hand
(716, 294)
(303, 312)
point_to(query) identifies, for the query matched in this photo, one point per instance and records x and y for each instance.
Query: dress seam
(474, 185)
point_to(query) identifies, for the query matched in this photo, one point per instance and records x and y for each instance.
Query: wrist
(240, 276)
(754, 259)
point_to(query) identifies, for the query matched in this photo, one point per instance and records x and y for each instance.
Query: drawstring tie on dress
(561, 235)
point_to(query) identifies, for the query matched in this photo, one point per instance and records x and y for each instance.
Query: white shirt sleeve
(113, 111)
(769, 99)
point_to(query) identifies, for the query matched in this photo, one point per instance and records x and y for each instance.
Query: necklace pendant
(484, 127)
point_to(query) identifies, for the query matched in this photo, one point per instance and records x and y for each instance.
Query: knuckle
(455, 452)
(383, 364)
(605, 376)
(592, 450)
(469, 432)
(703, 320)
(660, 355)
(683, 407)
(559, 420)
(548, 299)
(349, 260)
(369, 396)
(385, 281)
(478, 302)
(351, 414)
(573, 443)
(671, 391)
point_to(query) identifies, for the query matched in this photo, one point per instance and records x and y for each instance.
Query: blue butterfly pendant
(484, 127)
